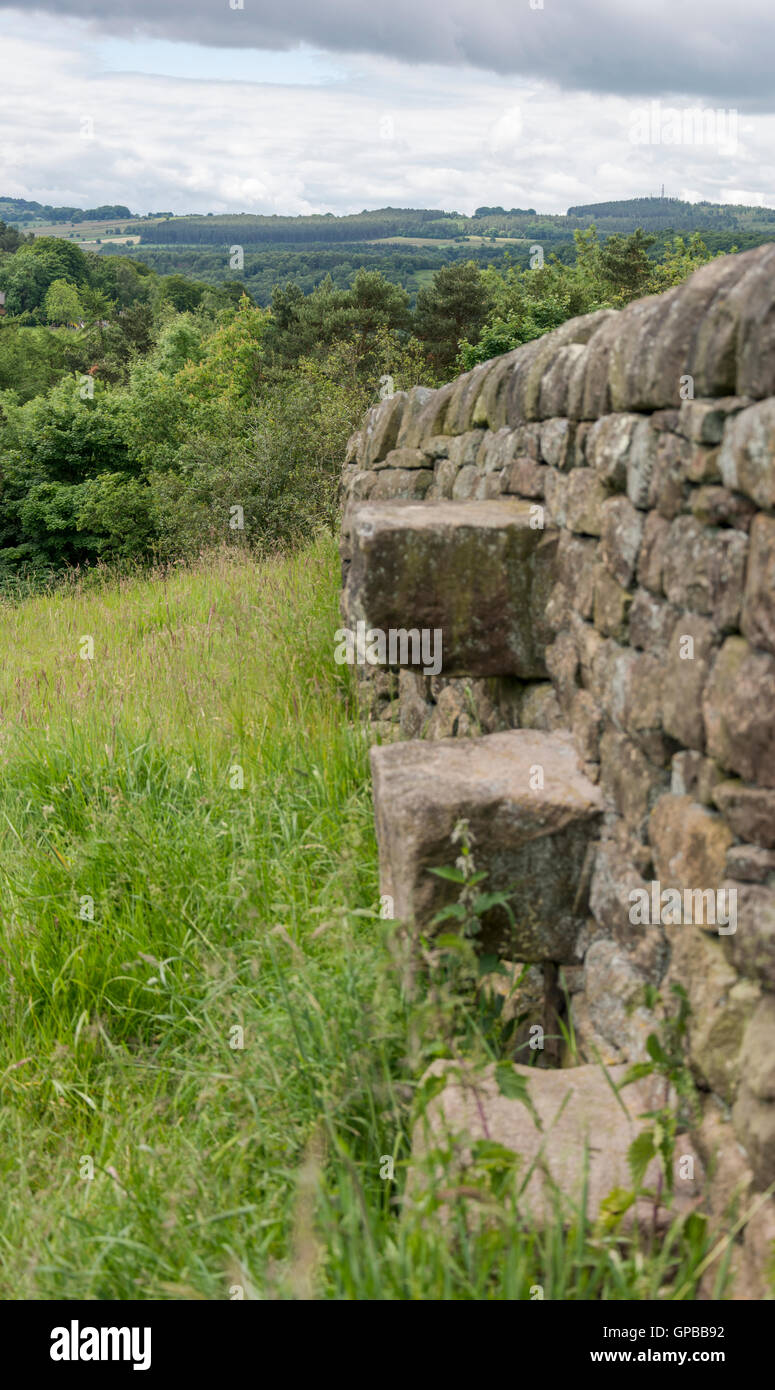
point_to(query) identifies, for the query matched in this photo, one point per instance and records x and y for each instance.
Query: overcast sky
(338, 105)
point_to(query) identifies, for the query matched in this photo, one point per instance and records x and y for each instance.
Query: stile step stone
(532, 813)
(572, 1134)
(478, 572)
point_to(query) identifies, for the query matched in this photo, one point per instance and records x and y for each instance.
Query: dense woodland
(138, 409)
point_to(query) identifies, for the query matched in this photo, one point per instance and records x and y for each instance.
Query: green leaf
(614, 1206)
(485, 901)
(455, 910)
(448, 941)
(514, 1087)
(639, 1155)
(655, 1048)
(454, 875)
(636, 1073)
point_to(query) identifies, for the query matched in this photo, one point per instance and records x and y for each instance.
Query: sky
(297, 106)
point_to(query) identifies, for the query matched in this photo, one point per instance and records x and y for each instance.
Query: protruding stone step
(567, 1112)
(532, 813)
(480, 573)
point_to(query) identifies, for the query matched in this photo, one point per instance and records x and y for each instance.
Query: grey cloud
(708, 49)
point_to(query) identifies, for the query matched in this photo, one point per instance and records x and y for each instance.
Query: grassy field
(209, 1042)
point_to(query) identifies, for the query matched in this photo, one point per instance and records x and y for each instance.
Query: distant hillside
(18, 212)
(408, 245)
(662, 214)
(653, 214)
(623, 215)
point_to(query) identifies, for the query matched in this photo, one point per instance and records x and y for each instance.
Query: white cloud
(379, 132)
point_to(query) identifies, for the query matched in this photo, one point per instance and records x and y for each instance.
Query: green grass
(219, 907)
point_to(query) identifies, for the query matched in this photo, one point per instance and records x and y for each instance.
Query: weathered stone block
(588, 643)
(694, 776)
(614, 879)
(573, 1137)
(750, 864)
(703, 465)
(629, 780)
(587, 725)
(497, 449)
(653, 552)
(555, 395)
(758, 617)
(465, 393)
(651, 622)
(541, 708)
(747, 458)
(532, 815)
(620, 537)
(690, 844)
(749, 810)
(633, 699)
(703, 420)
(611, 605)
(686, 667)
(752, 945)
(353, 450)
(405, 483)
(739, 711)
(491, 403)
(464, 449)
(577, 570)
(402, 458)
(594, 390)
(717, 506)
(614, 989)
(380, 429)
(608, 446)
(557, 443)
(754, 1122)
(584, 500)
(720, 1004)
(526, 477)
(667, 487)
(444, 476)
(556, 493)
(641, 462)
(479, 573)
(357, 486)
(705, 570)
(415, 706)
(488, 487)
(562, 663)
(547, 353)
(423, 415)
(437, 447)
(465, 483)
(759, 1049)
(752, 301)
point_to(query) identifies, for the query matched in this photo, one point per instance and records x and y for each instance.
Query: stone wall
(638, 447)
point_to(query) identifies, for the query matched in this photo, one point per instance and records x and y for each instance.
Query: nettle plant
(679, 1106)
(462, 997)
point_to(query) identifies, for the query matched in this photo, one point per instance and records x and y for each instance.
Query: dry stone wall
(590, 519)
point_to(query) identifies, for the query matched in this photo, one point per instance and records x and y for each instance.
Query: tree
(453, 307)
(184, 294)
(62, 303)
(625, 266)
